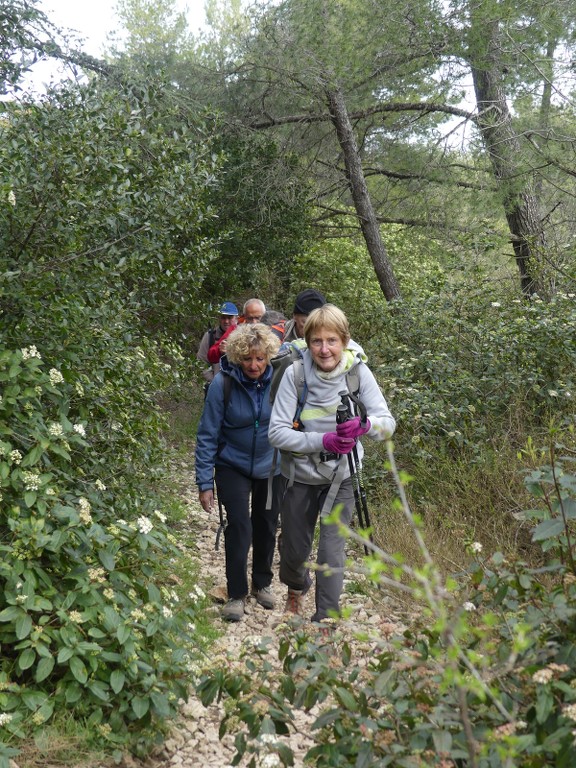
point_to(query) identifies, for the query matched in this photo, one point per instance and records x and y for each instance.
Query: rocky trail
(194, 741)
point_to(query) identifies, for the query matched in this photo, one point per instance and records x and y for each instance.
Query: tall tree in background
(397, 70)
(155, 33)
(493, 52)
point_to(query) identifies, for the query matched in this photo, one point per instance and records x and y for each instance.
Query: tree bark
(516, 185)
(361, 197)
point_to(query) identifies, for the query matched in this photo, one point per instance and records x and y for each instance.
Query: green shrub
(86, 625)
(463, 374)
(484, 676)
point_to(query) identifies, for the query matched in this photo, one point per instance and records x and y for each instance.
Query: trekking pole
(222, 526)
(344, 413)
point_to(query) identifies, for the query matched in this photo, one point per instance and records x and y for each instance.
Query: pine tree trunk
(361, 197)
(515, 182)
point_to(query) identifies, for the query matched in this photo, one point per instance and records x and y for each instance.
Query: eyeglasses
(319, 343)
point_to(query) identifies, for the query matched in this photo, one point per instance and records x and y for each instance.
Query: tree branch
(379, 109)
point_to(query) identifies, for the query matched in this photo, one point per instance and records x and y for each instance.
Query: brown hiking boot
(295, 602)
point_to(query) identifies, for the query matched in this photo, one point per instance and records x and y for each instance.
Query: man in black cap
(306, 301)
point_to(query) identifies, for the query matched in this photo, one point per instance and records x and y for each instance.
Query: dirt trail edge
(194, 741)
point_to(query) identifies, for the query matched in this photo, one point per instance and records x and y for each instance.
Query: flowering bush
(85, 622)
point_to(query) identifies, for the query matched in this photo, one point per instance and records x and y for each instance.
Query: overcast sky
(93, 20)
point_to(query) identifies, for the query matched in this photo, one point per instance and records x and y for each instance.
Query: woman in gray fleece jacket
(314, 464)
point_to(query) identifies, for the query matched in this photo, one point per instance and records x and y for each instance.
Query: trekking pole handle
(343, 412)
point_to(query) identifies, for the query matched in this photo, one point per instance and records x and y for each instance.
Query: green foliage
(85, 623)
(262, 223)
(461, 370)
(108, 185)
(347, 276)
(483, 676)
(21, 25)
(102, 209)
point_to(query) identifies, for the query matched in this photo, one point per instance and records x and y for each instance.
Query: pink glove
(353, 427)
(336, 444)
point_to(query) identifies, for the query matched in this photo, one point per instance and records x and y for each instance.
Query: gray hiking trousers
(300, 509)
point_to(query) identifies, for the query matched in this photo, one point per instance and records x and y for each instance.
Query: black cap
(308, 300)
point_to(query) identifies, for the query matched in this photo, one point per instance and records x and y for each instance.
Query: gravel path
(194, 741)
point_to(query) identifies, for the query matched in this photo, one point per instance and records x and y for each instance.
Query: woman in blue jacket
(232, 449)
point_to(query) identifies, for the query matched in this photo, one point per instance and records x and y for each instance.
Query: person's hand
(206, 500)
(336, 444)
(353, 427)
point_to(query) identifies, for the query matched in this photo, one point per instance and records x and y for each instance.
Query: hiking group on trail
(262, 403)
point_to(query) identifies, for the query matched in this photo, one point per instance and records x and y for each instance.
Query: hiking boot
(295, 602)
(234, 610)
(264, 597)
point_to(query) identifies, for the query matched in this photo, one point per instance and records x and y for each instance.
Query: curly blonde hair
(247, 338)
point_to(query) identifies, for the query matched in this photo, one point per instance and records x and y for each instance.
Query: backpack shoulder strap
(353, 381)
(301, 391)
(279, 364)
(227, 387)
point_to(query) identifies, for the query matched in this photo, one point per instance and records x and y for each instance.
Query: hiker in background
(232, 449)
(276, 321)
(253, 311)
(306, 301)
(228, 313)
(314, 467)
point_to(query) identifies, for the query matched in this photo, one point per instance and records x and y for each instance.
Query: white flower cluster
(85, 516)
(97, 574)
(5, 717)
(476, 547)
(15, 456)
(569, 711)
(144, 524)
(80, 430)
(12, 197)
(28, 352)
(100, 485)
(31, 481)
(543, 676)
(55, 376)
(160, 515)
(55, 429)
(197, 593)
(468, 606)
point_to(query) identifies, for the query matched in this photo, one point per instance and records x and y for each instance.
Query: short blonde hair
(247, 338)
(330, 317)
